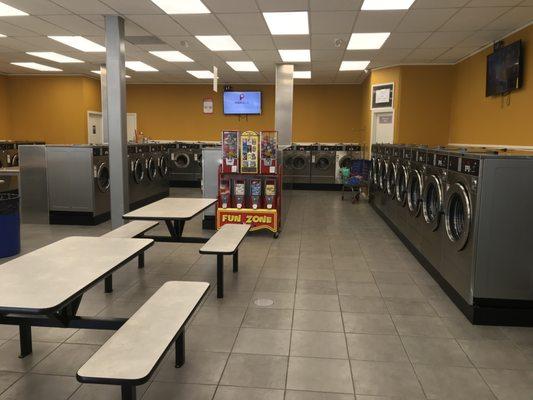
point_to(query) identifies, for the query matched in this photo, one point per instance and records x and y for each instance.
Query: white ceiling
(432, 31)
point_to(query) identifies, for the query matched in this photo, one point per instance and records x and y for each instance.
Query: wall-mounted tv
(504, 69)
(242, 103)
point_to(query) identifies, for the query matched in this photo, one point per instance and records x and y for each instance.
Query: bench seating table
(225, 241)
(131, 355)
(174, 211)
(45, 287)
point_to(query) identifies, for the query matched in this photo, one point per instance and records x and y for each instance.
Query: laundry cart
(355, 178)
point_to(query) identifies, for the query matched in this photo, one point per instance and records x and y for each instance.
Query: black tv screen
(504, 69)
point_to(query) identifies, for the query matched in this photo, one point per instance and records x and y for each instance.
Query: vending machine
(270, 193)
(269, 149)
(224, 193)
(230, 151)
(249, 152)
(239, 193)
(255, 193)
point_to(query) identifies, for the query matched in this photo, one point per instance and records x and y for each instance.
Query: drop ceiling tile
(264, 55)
(75, 24)
(283, 5)
(132, 29)
(473, 19)
(348, 77)
(325, 42)
(201, 24)
(94, 58)
(425, 20)
(395, 55)
(360, 55)
(399, 40)
(253, 42)
(16, 46)
(493, 3)
(514, 18)
(15, 31)
(85, 7)
(133, 6)
(292, 42)
(184, 43)
(158, 24)
(96, 19)
(457, 53)
(332, 22)
(335, 5)
(41, 43)
(445, 39)
(378, 21)
(481, 38)
(201, 57)
(439, 3)
(231, 6)
(527, 3)
(244, 24)
(424, 55)
(325, 66)
(37, 7)
(327, 55)
(233, 56)
(36, 24)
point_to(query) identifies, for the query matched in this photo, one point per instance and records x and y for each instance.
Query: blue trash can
(9, 224)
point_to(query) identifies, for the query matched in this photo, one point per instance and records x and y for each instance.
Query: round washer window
(163, 166)
(152, 169)
(401, 185)
(391, 180)
(103, 178)
(346, 162)
(138, 171)
(414, 193)
(323, 163)
(432, 202)
(298, 162)
(456, 217)
(182, 161)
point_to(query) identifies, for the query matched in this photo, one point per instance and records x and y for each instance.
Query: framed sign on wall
(382, 96)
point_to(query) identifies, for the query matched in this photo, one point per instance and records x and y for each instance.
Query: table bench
(130, 357)
(225, 242)
(131, 230)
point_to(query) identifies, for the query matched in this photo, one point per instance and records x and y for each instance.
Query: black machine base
(209, 222)
(191, 184)
(484, 311)
(312, 186)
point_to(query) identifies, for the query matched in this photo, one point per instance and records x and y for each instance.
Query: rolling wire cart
(355, 178)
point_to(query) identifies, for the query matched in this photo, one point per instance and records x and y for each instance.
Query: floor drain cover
(263, 302)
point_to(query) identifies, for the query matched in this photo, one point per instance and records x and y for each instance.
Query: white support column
(116, 116)
(103, 99)
(284, 101)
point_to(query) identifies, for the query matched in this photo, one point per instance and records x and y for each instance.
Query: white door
(94, 128)
(383, 127)
(131, 126)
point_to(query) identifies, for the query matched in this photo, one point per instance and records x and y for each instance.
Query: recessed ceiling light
(79, 43)
(354, 65)
(38, 67)
(243, 66)
(52, 56)
(287, 23)
(97, 71)
(387, 4)
(202, 74)
(302, 75)
(8, 11)
(182, 6)
(2, 35)
(367, 41)
(219, 43)
(295, 55)
(139, 66)
(172, 56)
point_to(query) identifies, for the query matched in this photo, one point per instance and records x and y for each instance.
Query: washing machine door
(102, 177)
(414, 192)
(401, 185)
(138, 170)
(458, 215)
(152, 168)
(375, 171)
(346, 162)
(182, 160)
(323, 162)
(432, 200)
(382, 178)
(15, 160)
(299, 162)
(392, 173)
(163, 166)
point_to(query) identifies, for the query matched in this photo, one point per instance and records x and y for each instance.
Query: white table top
(132, 229)
(171, 208)
(133, 351)
(45, 278)
(9, 171)
(226, 240)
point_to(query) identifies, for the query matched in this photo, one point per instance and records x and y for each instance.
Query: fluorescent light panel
(302, 75)
(52, 56)
(182, 6)
(387, 4)
(243, 66)
(367, 41)
(219, 42)
(79, 43)
(97, 72)
(295, 55)
(8, 11)
(172, 56)
(36, 66)
(139, 66)
(287, 23)
(201, 74)
(354, 65)
(2, 35)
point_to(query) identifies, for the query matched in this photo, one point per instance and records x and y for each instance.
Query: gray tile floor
(352, 315)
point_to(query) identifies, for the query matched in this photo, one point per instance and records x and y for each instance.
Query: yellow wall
(476, 119)
(4, 109)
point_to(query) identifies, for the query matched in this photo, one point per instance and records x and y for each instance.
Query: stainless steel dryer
(402, 176)
(395, 157)
(184, 163)
(288, 172)
(152, 173)
(163, 168)
(415, 186)
(345, 156)
(323, 164)
(301, 162)
(375, 165)
(137, 175)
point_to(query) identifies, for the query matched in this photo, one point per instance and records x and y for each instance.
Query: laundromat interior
(266, 199)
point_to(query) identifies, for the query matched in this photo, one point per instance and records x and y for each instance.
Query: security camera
(338, 42)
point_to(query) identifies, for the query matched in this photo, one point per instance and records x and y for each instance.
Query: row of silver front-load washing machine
(79, 180)
(466, 214)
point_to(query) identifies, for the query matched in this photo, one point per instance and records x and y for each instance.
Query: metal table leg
(25, 340)
(236, 261)
(129, 392)
(220, 276)
(180, 349)
(109, 284)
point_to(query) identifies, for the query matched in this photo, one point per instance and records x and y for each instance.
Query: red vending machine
(270, 193)
(230, 151)
(255, 193)
(269, 150)
(224, 200)
(239, 193)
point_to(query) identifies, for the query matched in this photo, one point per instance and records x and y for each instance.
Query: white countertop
(171, 208)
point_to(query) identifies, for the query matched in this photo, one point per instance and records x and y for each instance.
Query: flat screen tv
(242, 103)
(504, 69)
